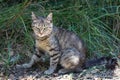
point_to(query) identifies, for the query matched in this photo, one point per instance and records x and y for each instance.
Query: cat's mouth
(41, 36)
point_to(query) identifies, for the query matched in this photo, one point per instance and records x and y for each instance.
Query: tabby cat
(64, 47)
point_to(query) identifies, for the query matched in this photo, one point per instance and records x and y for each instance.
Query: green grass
(95, 21)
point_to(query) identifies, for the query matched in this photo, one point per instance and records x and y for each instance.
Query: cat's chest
(44, 45)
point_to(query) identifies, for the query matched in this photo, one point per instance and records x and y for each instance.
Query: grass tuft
(96, 22)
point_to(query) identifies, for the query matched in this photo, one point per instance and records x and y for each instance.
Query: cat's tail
(108, 62)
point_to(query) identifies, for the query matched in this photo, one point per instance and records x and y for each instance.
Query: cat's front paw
(19, 66)
(49, 71)
(23, 66)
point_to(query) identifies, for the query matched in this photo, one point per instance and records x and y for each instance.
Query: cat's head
(42, 27)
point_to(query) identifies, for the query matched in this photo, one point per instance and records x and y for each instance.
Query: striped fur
(63, 47)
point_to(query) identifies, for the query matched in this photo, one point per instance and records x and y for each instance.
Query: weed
(96, 22)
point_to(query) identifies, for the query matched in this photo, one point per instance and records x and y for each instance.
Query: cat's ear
(33, 16)
(49, 17)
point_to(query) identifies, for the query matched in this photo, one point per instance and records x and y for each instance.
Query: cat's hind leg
(70, 61)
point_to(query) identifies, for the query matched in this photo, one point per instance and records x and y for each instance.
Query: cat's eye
(44, 28)
(36, 29)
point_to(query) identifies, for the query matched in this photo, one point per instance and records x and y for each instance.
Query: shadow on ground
(35, 73)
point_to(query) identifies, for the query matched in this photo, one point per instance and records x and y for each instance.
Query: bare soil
(35, 73)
